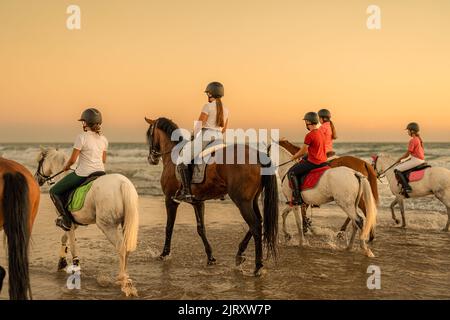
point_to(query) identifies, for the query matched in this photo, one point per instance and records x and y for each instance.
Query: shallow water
(414, 263)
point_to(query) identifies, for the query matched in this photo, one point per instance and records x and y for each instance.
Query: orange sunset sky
(277, 60)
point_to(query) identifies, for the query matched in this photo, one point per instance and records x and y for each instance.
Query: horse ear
(149, 121)
(374, 157)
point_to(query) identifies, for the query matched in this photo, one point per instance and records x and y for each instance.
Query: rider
(211, 125)
(90, 147)
(415, 154)
(314, 145)
(328, 129)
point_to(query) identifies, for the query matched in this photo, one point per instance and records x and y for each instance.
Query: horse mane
(292, 148)
(164, 124)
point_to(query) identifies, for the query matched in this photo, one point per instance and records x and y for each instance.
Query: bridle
(39, 172)
(41, 175)
(381, 174)
(154, 154)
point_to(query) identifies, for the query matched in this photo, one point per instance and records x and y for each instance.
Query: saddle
(199, 170)
(416, 173)
(311, 179)
(68, 197)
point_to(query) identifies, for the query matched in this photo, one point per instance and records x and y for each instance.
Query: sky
(277, 59)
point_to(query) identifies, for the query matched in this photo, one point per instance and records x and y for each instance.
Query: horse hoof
(62, 263)
(341, 235)
(445, 229)
(260, 272)
(287, 237)
(239, 260)
(370, 254)
(211, 262)
(164, 257)
(76, 262)
(397, 221)
(129, 289)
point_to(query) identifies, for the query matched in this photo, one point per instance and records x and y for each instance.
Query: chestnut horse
(19, 199)
(346, 161)
(242, 182)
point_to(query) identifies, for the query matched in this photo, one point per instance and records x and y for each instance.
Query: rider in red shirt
(314, 146)
(328, 130)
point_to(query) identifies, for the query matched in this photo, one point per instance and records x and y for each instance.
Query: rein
(382, 173)
(43, 176)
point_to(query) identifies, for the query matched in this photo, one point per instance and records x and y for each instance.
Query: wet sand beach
(414, 263)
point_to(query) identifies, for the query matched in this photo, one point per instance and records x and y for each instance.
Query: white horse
(436, 180)
(343, 185)
(111, 201)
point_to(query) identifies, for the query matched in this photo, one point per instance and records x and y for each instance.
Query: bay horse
(242, 182)
(346, 187)
(345, 161)
(19, 203)
(436, 181)
(110, 203)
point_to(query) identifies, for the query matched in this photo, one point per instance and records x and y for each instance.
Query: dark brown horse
(345, 161)
(19, 199)
(242, 182)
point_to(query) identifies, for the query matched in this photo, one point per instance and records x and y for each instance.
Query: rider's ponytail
(333, 131)
(96, 128)
(219, 114)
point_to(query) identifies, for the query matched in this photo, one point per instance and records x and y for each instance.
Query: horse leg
(2, 276)
(299, 222)
(114, 236)
(199, 208)
(240, 257)
(401, 203)
(341, 233)
(448, 220)
(254, 221)
(392, 206)
(171, 209)
(284, 214)
(352, 238)
(62, 263)
(73, 246)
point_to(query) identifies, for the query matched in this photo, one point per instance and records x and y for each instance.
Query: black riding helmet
(215, 90)
(91, 116)
(413, 126)
(312, 117)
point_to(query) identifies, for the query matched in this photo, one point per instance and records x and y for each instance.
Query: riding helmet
(215, 89)
(91, 116)
(413, 126)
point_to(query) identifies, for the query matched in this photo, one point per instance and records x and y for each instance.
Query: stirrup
(63, 223)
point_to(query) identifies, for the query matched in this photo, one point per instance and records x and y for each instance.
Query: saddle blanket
(76, 202)
(313, 177)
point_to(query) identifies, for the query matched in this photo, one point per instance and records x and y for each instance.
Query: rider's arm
(72, 160)
(200, 122)
(300, 153)
(104, 157)
(406, 155)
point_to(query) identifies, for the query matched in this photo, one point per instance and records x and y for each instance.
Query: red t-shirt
(325, 128)
(416, 148)
(317, 153)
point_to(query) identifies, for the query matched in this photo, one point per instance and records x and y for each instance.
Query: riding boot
(405, 185)
(184, 194)
(296, 194)
(63, 221)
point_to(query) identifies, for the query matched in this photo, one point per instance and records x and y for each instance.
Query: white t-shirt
(211, 110)
(91, 146)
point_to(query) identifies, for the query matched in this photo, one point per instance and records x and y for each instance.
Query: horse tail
(131, 219)
(270, 185)
(371, 210)
(372, 177)
(16, 212)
